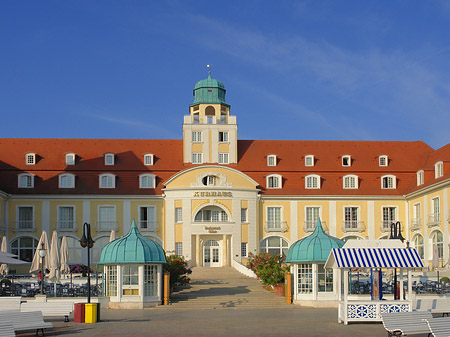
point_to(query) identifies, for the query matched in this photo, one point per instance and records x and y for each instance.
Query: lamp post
(87, 241)
(42, 254)
(396, 234)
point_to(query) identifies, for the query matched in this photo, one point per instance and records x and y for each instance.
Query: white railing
(278, 226)
(353, 226)
(104, 226)
(25, 225)
(415, 223)
(310, 225)
(147, 225)
(434, 219)
(370, 311)
(66, 225)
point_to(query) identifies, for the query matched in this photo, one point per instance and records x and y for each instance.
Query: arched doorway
(212, 254)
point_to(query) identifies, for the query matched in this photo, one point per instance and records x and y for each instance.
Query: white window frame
(148, 159)
(224, 158)
(309, 160)
(306, 213)
(244, 249)
(348, 159)
(275, 177)
(153, 222)
(179, 248)
(197, 136)
(387, 177)
(358, 214)
(223, 137)
(70, 158)
(383, 161)
(109, 159)
(354, 185)
(151, 178)
(420, 177)
(115, 216)
(30, 158)
(197, 158)
(312, 182)
(74, 217)
(32, 220)
(271, 160)
(274, 223)
(71, 181)
(178, 214)
(395, 210)
(113, 177)
(438, 169)
(419, 248)
(244, 215)
(20, 182)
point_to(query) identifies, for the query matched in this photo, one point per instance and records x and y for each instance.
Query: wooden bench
(25, 321)
(405, 323)
(6, 329)
(439, 327)
(49, 309)
(10, 303)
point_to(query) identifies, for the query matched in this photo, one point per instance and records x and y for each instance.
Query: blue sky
(306, 70)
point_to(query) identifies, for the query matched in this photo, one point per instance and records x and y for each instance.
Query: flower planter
(279, 289)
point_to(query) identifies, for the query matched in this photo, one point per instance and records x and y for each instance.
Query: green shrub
(178, 269)
(270, 269)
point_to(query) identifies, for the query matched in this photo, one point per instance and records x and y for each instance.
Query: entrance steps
(224, 288)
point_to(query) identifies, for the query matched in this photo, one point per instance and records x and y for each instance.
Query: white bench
(10, 303)
(6, 329)
(406, 323)
(25, 321)
(49, 309)
(439, 327)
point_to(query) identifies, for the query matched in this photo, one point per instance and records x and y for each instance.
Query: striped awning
(374, 258)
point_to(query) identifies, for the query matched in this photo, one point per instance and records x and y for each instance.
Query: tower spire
(209, 69)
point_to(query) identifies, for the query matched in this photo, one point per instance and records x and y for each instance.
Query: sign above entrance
(213, 194)
(212, 229)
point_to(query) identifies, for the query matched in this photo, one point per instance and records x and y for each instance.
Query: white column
(236, 238)
(46, 216)
(186, 229)
(409, 285)
(253, 225)
(445, 209)
(141, 282)
(315, 281)
(401, 284)
(332, 225)
(426, 242)
(294, 221)
(126, 221)
(87, 213)
(371, 219)
(119, 283)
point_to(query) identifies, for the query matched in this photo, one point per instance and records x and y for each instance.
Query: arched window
(100, 243)
(417, 242)
(312, 181)
(438, 240)
(351, 237)
(309, 160)
(350, 181)
(211, 214)
(109, 158)
(388, 182)
(273, 181)
(383, 160)
(25, 180)
(211, 180)
(66, 180)
(146, 181)
(30, 158)
(75, 250)
(70, 158)
(24, 247)
(107, 181)
(438, 169)
(274, 245)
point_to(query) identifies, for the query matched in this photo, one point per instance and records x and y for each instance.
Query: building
(214, 198)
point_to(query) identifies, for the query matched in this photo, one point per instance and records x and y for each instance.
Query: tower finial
(209, 69)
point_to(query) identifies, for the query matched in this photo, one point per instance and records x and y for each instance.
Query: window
(150, 280)
(107, 181)
(435, 217)
(109, 159)
(351, 218)
(388, 182)
(66, 180)
(383, 160)
(107, 218)
(130, 280)
(111, 281)
(25, 217)
(178, 214)
(312, 182)
(211, 214)
(305, 282)
(223, 136)
(75, 250)
(350, 182)
(420, 178)
(418, 245)
(312, 216)
(274, 217)
(30, 159)
(416, 221)
(147, 217)
(274, 245)
(210, 180)
(244, 249)
(197, 158)
(309, 160)
(148, 159)
(146, 181)
(438, 170)
(389, 216)
(25, 180)
(66, 218)
(346, 160)
(438, 240)
(271, 160)
(273, 181)
(223, 158)
(243, 214)
(70, 159)
(179, 248)
(196, 136)
(325, 278)
(24, 247)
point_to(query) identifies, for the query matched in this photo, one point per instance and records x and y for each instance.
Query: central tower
(209, 131)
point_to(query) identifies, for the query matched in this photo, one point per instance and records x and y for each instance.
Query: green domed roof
(314, 248)
(209, 91)
(132, 248)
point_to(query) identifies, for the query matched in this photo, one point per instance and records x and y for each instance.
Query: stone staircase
(223, 288)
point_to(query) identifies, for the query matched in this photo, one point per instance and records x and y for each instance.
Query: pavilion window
(325, 278)
(305, 284)
(130, 280)
(150, 280)
(111, 280)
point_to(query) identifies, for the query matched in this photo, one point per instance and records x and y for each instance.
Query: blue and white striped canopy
(374, 258)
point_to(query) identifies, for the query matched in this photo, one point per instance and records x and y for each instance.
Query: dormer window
(309, 160)
(273, 181)
(70, 159)
(438, 169)
(350, 182)
(271, 160)
(312, 181)
(25, 180)
(346, 161)
(109, 159)
(107, 181)
(146, 181)
(383, 160)
(388, 182)
(30, 158)
(148, 159)
(66, 180)
(420, 177)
